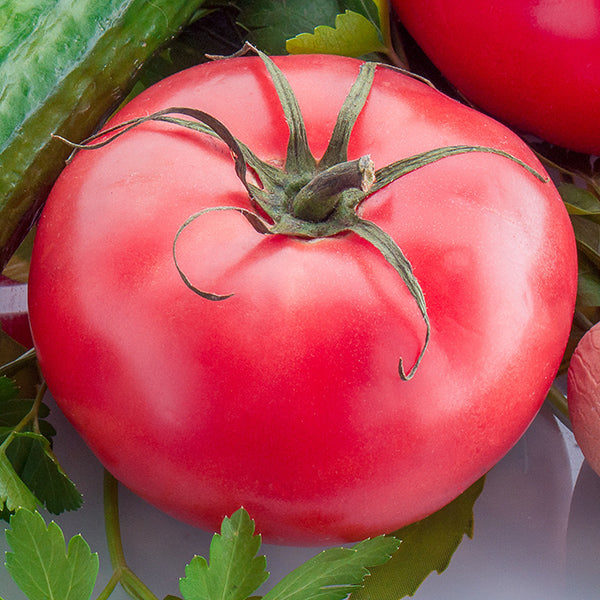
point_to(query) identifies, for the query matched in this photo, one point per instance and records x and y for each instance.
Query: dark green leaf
(579, 201)
(588, 284)
(587, 234)
(12, 411)
(8, 391)
(334, 573)
(234, 571)
(39, 470)
(13, 492)
(426, 546)
(28, 461)
(271, 22)
(41, 567)
(27, 377)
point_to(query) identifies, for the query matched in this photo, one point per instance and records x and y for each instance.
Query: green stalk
(558, 403)
(131, 583)
(12, 367)
(30, 416)
(110, 587)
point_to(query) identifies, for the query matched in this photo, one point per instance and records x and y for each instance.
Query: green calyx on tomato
(310, 198)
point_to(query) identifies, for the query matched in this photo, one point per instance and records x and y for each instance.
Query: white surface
(537, 528)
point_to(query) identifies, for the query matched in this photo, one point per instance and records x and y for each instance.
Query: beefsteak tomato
(532, 63)
(286, 396)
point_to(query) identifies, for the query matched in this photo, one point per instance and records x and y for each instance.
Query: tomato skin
(285, 398)
(531, 63)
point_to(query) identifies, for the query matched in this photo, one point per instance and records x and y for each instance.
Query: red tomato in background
(535, 64)
(285, 398)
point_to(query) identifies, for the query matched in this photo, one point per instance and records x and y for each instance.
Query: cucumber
(64, 66)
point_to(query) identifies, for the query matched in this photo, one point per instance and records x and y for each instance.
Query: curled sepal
(299, 158)
(337, 149)
(402, 167)
(376, 236)
(219, 129)
(260, 225)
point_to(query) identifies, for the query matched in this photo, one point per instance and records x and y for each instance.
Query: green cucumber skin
(64, 65)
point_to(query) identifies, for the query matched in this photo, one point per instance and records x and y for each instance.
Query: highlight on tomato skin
(584, 396)
(286, 398)
(531, 63)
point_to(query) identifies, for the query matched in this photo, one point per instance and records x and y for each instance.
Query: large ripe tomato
(285, 397)
(532, 63)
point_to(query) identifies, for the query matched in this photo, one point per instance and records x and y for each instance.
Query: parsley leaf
(353, 35)
(334, 573)
(234, 571)
(13, 492)
(37, 466)
(39, 564)
(29, 471)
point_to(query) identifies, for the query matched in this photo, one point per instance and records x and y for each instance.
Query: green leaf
(29, 471)
(13, 410)
(234, 571)
(13, 492)
(27, 378)
(8, 391)
(38, 468)
(588, 284)
(334, 573)
(368, 9)
(353, 35)
(579, 201)
(426, 546)
(587, 234)
(271, 22)
(39, 564)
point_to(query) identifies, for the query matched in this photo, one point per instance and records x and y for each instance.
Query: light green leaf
(375, 11)
(334, 573)
(353, 35)
(234, 571)
(41, 567)
(13, 492)
(426, 546)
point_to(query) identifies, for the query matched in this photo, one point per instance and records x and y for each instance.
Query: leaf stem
(30, 416)
(558, 403)
(109, 587)
(131, 583)
(13, 366)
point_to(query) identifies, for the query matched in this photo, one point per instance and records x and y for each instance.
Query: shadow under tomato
(518, 550)
(583, 537)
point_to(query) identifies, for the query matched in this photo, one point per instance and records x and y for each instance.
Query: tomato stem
(318, 198)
